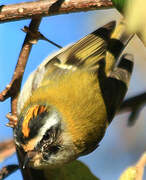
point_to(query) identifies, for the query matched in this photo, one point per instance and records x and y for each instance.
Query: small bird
(68, 102)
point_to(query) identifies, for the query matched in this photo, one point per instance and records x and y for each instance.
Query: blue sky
(121, 146)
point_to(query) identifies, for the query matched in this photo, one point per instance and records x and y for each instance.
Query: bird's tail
(118, 41)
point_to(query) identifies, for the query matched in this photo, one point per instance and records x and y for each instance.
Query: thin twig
(140, 166)
(48, 8)
(7, 149)
(7, 170)
(17, 78)
(133, 101)
(13, 88)
(39, 36)
(133, 105)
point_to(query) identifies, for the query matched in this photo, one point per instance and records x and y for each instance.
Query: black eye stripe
(54, 149)
(50, 150)
(49, 142)
(49, 135)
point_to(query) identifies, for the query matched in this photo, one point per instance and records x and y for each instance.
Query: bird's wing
(84, 53)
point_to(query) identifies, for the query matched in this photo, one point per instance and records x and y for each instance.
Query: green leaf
(129, 174)
(71, 171)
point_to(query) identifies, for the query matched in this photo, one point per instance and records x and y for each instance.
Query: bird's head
(42, 135)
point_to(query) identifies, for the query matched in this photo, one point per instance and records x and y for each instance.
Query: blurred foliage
(135, 172)
(129, 174)
(119, 4)
(74, 170)
(135, 13)
(135, 16)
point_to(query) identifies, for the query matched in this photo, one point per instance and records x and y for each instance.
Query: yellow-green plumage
(81, 106)
(84, 87)
(76, 93)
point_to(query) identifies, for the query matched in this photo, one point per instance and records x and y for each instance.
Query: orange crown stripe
(31, 113)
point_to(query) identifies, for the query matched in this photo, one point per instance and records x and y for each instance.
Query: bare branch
(38, 35)
(7, 170)
(140, 166)
(15, 85)
(133, 105)
(48, 8)
(13, 88)
(133, 102)
(7, 149)
(17, 78)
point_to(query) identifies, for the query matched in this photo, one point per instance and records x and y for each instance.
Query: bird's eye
(47, 135)
(54, 149)
(50, 150)
(45, 156)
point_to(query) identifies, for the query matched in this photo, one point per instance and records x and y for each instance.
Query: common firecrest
(68, 102)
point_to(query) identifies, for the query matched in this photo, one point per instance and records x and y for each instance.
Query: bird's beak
(28, 157)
